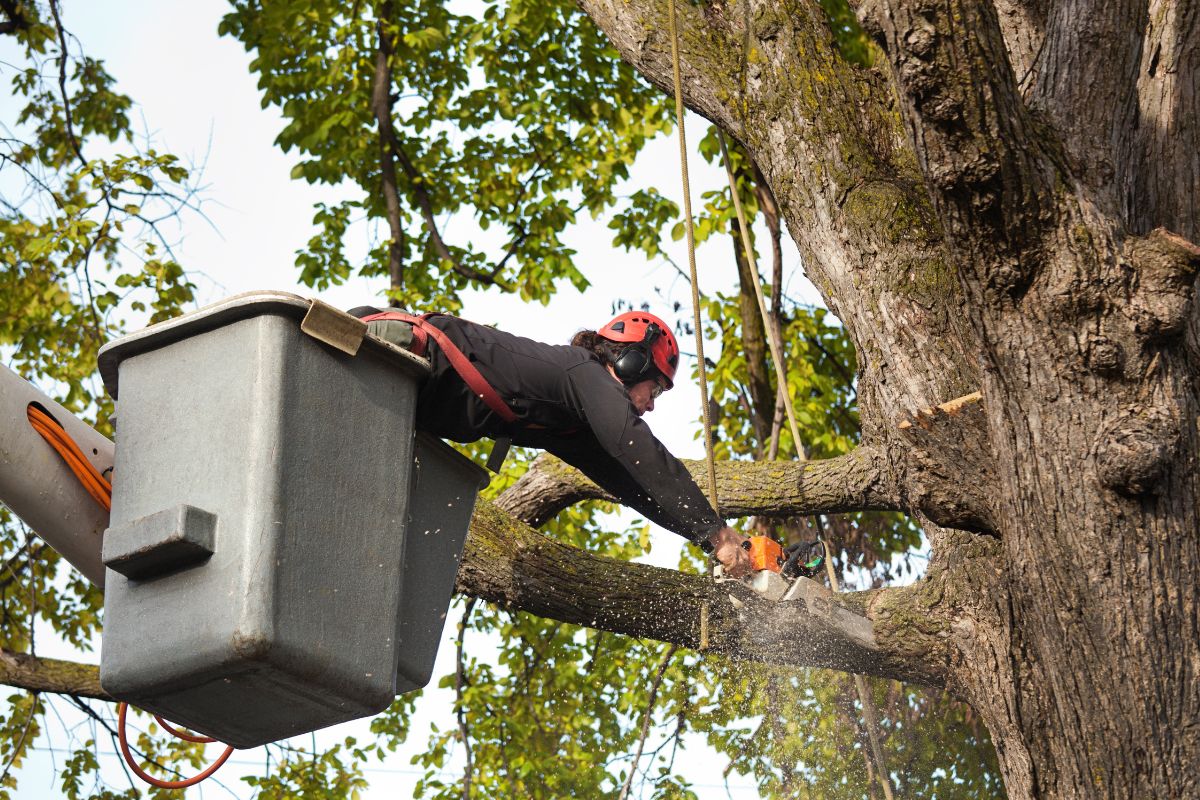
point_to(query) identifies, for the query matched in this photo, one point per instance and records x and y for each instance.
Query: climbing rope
(691, 245)
(772, 339)
(870, 716)
(101, 491)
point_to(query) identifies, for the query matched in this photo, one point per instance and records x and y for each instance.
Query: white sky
(199, 101)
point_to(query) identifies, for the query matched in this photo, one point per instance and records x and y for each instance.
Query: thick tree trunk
(995, 206)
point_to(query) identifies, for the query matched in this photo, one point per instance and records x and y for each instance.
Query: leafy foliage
(518, 114)
(851, 39)
(79, 233)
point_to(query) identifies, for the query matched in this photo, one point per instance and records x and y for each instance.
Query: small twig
(776, 424)
(425, 204)
(595, 652)
(33, 595)
(842, 372)
(14, 569)
(34, 179)
(460, 680)
(658, 679)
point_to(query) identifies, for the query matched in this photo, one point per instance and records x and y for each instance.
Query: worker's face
(643, 394)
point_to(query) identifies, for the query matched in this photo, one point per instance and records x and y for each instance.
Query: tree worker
(582, 402)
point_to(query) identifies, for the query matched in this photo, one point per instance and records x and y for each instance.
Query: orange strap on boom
(101, 491)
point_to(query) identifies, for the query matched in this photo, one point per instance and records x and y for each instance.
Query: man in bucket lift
(583, 403)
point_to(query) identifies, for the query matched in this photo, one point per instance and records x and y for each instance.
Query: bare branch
(417, 184)
(18, 748)
(381, 105)
(62, 82)
(51, 675)
(658, 679)
(460, 682)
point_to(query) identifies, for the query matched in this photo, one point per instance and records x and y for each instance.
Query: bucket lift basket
(283, 545)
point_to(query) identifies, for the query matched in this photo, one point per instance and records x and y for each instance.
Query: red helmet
(651, 334)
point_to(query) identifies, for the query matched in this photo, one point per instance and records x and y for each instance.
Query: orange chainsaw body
(765, 553)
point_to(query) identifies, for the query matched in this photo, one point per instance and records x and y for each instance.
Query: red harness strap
(422, 330)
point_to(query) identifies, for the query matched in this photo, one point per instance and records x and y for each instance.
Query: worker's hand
(729, 549)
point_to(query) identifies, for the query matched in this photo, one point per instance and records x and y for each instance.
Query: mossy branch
(853, 482)
(35, 674)
(509, 563)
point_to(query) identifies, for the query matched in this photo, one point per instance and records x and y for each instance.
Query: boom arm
(37, 485)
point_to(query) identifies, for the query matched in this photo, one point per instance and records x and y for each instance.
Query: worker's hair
(608, 352)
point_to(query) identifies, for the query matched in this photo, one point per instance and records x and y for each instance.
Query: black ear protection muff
(636, 363)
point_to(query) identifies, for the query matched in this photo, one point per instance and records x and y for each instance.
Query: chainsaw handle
(793, 566)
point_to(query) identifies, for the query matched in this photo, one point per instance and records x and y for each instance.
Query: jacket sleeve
(625, 459)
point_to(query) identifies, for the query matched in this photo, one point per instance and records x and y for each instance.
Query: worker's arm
(584, 453)
(627, 460)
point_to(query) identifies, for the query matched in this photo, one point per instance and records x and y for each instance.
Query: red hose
(178, 734)
(122, 710)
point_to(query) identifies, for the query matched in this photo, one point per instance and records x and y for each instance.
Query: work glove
(803, 559)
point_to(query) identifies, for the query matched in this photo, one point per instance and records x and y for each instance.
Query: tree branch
(381, 105)
(417, 183)
(460, 682)
(62, 82)
(637, 756)
(853, 482)
(893, 633)
(51, 675)
(508, 563)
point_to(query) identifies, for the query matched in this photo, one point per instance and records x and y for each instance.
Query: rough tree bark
(1007, 201)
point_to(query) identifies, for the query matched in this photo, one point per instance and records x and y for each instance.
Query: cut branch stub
(1164, 275)
(944, 461)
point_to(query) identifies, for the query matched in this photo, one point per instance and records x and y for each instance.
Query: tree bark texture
(1006, 201)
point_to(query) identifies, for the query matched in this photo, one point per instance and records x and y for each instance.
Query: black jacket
(568, 404)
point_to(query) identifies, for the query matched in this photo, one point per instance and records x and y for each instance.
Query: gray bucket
(277, 559)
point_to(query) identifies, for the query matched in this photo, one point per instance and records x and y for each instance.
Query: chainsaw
(775, 569)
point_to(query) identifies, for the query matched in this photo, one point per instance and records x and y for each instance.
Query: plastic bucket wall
(444, 486)
(260, 504)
